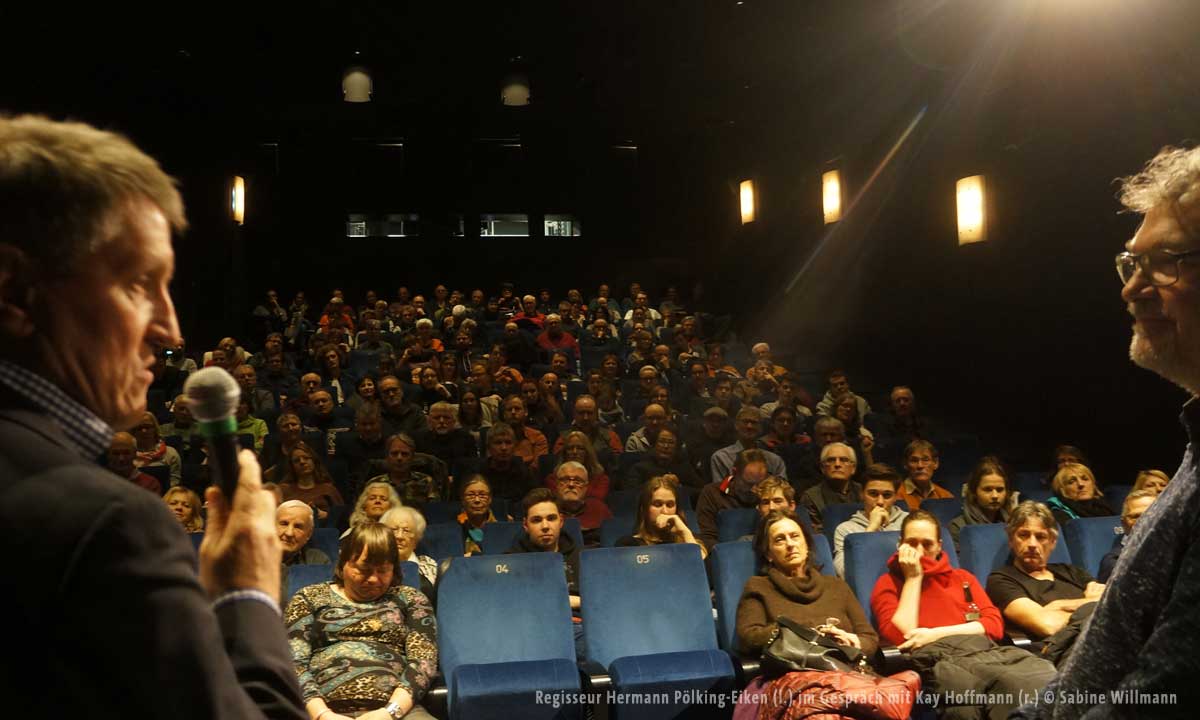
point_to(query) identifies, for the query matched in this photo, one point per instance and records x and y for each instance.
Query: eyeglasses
(406, 532)
(1160, 267)
(575, 482)
(476, 496)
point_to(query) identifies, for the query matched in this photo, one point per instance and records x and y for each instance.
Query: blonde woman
(1076, 495)
(185, 506)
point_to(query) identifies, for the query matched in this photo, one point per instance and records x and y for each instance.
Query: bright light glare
(972, 219)
(237, 206)
(747, 196)
(831, 196)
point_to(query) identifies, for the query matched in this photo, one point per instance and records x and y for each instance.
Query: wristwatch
(393, 709)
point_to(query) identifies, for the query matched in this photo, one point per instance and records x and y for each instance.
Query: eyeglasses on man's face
(1159, 267)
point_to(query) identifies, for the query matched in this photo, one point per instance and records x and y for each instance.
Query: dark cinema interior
(643, 119)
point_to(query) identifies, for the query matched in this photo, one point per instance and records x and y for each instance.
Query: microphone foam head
(212, 394)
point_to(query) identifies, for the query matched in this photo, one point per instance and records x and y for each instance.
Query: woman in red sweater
(940, 613)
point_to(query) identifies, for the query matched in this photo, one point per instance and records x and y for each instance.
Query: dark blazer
(100, 584)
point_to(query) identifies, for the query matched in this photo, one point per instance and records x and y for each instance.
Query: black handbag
(793, 646)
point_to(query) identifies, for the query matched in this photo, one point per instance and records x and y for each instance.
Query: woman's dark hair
(921, 515)
(1072, 451)
(762, 539)
(987, 465)
(380, 543)
(368, 376)
(676, 452)
(646, 496)
(318, 466)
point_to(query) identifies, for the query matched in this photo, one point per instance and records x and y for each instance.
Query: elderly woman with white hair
(408, 525)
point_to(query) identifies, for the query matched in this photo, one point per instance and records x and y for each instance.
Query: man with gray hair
(85, 266)
(570, 487)
(838, 465)
(1141, 640)
(295, 523)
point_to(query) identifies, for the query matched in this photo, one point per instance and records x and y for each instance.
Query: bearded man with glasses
(1140, 643)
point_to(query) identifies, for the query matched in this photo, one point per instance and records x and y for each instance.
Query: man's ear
(16, 293)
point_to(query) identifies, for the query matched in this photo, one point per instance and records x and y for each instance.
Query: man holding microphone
(100, 575)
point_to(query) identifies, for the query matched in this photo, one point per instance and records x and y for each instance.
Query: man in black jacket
(125, 627)
(543, 521)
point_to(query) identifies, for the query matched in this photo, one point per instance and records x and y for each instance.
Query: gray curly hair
(1170, 175)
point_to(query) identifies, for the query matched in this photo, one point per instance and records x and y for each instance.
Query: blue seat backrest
(1030, 481)
(494, 609)
(734, 523)
(575, 530)
(733, 563)
(442, 540)
(615, 528)
(325, 539)
(410, 574)
(622, 501)
(1115, 495)
(300, 576)
(1090, 539)
(196, 538)
(500, 536)
(836, 514)
(645, 601)
(944, 509)
(823, 554)
(866, 561)
(984, 548)
(1036, 493)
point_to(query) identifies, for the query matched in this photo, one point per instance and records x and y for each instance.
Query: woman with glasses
(408, 526)
(476, 497)
(943, 619)
(988, 497)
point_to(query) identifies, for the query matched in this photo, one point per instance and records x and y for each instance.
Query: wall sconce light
(972, 213)
(831, 196)
(746, 193)
(237, 200)
(357, 85)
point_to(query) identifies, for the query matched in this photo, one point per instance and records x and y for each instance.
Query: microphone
(212, 396)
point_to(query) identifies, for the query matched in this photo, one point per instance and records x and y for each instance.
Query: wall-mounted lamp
(746, 193)
(972, 213)
(237, 200)
(831, 196)
(357, 85)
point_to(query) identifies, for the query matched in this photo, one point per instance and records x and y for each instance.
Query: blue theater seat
(866, 561)
(1090, 539)
(442, 540)
(944, 509)
(299, 576)
(834, 515)
(648, 619)
(497, 655)
(732, 565)
(984, 548)
(735, 523)
(615, 528)
(325, 539)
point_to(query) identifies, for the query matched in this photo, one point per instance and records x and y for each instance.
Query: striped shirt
(88, 435)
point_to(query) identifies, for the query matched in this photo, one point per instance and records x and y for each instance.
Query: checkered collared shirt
(89, 435)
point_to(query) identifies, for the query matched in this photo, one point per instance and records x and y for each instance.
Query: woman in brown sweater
(793, 587)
